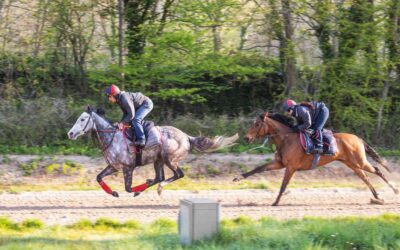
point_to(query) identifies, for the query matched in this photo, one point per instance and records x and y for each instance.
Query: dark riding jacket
(306, 116)
(129, 103)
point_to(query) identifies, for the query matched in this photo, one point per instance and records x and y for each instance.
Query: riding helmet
(111, 90)
(288, 104)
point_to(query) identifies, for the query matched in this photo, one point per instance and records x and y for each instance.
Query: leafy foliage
(201, 58)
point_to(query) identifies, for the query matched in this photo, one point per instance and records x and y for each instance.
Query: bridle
(103, 148)
(259, 130)
(267, 137)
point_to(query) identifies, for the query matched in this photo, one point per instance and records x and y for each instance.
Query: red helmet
(288, 104)
(111, 90)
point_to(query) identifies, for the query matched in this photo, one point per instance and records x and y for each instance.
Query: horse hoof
(237, 179)
(136, 194)
(377, 201)
(115, 194)
(159, 190)
(396, 191)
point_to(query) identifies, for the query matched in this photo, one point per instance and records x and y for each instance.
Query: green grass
(382, 232)
(70, 148)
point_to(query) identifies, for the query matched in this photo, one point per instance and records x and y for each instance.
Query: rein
(105, 131)
(101, 131)
(267, 137)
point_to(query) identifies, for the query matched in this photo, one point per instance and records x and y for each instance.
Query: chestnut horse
(291, 156)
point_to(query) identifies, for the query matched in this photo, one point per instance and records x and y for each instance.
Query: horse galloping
(290, 154)
(175, 145)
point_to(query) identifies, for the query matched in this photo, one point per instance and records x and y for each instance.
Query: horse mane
(285, 120)
(101, 113)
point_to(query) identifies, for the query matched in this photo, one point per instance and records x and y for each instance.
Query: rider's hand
(120, 125)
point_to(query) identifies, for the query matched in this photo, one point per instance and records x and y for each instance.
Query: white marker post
(198, 219)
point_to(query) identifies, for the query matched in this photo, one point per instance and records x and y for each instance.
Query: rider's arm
(129, 110)
(304, 117)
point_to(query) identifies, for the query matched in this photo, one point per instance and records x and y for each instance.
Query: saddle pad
(147, 127)
(153, 137)
(329, 141)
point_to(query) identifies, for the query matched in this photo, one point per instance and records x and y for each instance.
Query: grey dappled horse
(175, 145)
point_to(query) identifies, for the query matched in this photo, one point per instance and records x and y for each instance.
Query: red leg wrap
(105, 187)
(140, 188)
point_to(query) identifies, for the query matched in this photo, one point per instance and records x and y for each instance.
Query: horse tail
(374, 155)
(205, 144)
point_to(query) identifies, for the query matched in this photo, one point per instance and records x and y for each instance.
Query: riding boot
(318, 144)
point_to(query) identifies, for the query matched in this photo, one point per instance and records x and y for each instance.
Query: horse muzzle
(248, 139)
(71, 135)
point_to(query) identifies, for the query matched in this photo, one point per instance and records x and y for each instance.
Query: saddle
(152, 135)
(130, 132)
(329, 142)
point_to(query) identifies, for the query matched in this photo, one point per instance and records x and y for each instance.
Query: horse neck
(100, 122)
(278, 131)
(103, 129)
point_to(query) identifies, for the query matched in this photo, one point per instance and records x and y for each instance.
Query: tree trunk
(216, 38)
(121, 40)
(137, 13)
(288, 46)
(40, 26)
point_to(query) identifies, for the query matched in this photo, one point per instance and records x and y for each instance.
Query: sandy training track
(66, 207)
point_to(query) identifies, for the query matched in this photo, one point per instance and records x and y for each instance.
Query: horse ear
(89, 109)
(265, 115)
(101, 111)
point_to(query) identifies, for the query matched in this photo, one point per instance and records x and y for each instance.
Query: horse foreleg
(107, 171)
(128, 172)
(159, 170)
(274, 165)
(288, 175)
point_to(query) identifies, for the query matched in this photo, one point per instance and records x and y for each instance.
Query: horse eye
(82, 120)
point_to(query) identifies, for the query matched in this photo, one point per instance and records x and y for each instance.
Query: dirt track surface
(66, 207)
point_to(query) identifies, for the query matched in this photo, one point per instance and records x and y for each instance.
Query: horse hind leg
(365, 178)
(178, 173)
(375, 170)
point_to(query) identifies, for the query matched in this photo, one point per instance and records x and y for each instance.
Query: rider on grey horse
(312, 117)
(135, 107)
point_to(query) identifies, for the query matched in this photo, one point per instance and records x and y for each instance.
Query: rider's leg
(140, 114)
(318, 126)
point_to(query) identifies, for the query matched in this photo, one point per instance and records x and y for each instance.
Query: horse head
(259, 129)
(84, 123)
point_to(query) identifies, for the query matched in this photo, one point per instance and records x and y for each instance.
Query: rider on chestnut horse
(311, 117)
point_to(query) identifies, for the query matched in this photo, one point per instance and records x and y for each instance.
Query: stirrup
(317, 150)
(140, 144)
